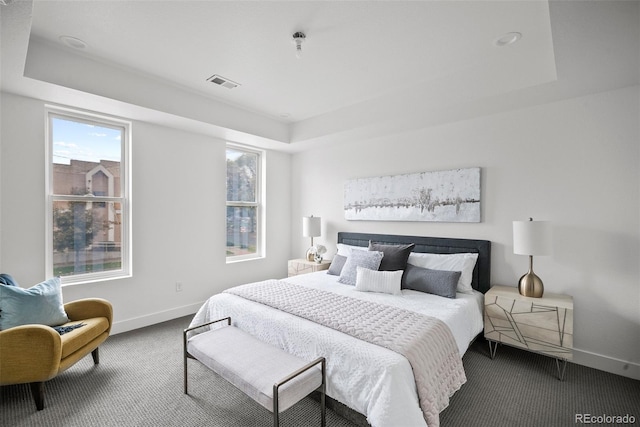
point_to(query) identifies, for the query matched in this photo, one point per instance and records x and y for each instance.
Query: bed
(368, 379)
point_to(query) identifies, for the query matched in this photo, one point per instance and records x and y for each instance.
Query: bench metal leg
(184, 357)
(323, 389)
(323, 394)
(185, 353)
(276, 419)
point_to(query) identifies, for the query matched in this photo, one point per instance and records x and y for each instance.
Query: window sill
(86, 279)
(240, 259)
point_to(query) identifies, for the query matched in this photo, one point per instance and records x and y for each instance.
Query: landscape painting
(442, 196)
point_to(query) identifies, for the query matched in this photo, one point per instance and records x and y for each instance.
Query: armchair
(33, 354)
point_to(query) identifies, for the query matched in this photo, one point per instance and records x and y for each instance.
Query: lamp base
(530, 285)
(311, 253)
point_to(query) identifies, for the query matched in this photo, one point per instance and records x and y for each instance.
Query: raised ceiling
(367, 67)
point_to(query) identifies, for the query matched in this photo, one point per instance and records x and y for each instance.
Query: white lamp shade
(531, 237)
(311, 226)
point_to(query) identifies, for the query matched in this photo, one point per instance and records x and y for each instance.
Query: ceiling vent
(222, 81)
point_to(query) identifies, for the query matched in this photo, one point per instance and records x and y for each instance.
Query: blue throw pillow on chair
(40, 304)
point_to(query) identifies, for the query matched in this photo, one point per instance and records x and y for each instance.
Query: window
(88, 206)
(243, 204)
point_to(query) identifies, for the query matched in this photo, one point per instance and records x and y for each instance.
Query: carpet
(139, 383)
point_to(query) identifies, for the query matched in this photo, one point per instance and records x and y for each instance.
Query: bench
(267, 374)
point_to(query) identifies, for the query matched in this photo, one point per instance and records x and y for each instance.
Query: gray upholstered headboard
(436, 245)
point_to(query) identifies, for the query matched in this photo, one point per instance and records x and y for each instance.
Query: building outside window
(88, 209)
(244, 203)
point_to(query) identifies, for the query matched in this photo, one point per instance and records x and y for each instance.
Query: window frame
(259, 204)
(124, 199)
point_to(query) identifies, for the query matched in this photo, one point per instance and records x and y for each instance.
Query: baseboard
(153, 318)
(606, 363)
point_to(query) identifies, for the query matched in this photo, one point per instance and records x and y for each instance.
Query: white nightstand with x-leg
(542, 325)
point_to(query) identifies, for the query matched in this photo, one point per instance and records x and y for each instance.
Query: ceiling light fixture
(298, 38)
(507, 39)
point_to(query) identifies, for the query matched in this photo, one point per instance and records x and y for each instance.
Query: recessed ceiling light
(73, 42)
(507, 39)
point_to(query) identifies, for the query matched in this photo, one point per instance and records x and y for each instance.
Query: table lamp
(311, 228)
(531, 238)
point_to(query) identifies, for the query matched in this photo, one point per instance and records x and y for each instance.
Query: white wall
(575, 163)
(179, 189)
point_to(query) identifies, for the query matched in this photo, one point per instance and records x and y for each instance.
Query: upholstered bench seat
(272, 377)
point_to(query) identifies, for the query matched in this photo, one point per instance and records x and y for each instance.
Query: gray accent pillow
(437, 282)
(365, 259)
(395, 256)
(337, 263)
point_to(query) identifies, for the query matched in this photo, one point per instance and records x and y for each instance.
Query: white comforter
(372, 380)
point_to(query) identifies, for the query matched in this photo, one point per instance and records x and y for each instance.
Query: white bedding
(374, 381)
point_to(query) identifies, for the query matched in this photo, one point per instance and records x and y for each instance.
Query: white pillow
(345, 250)
(464, 263)
(386, 282)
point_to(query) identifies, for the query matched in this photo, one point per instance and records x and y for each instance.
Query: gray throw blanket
(425, 341)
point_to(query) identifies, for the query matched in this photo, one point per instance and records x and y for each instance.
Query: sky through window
(81, 141)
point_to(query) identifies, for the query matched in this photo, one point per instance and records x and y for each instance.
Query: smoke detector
(223, 81)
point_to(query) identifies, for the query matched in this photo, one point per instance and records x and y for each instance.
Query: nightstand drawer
(543, 325)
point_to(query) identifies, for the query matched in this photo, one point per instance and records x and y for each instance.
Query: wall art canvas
(443, 196)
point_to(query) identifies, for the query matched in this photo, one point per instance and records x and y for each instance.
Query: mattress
(372, 380)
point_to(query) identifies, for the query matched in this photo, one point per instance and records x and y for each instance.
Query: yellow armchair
(33, 354)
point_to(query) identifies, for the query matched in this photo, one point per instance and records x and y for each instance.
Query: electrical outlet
(178, 286)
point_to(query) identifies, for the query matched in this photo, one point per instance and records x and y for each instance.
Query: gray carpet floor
(139, 383)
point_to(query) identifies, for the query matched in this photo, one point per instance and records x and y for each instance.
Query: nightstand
(542, 325)
(302, 266)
